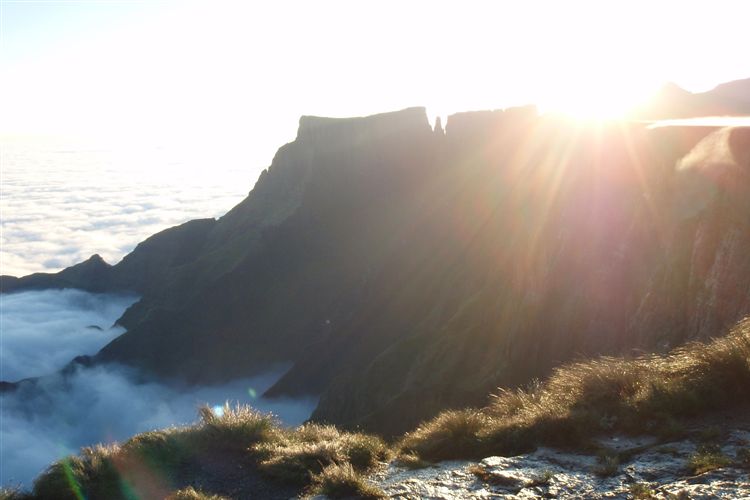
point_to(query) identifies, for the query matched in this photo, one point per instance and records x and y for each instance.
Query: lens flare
(74, 487)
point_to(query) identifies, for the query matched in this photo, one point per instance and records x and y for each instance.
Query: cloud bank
(41, 331)
(58, 414)
(63, 201)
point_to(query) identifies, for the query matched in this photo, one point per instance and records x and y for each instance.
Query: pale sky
(218, 71)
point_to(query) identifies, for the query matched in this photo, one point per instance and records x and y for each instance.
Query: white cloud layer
(63, 199)
(41, 331)
(98, 404)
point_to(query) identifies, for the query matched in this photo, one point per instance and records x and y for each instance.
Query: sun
(595, 98)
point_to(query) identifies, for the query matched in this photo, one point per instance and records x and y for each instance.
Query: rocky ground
(623, 468)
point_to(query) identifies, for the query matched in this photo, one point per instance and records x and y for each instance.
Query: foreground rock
(652, 471)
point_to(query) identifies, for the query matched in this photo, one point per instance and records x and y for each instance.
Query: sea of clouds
(57, 415)
(41, 331)
(63, 200)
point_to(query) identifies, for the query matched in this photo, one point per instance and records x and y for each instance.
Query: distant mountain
(405, 270)
(672, 101)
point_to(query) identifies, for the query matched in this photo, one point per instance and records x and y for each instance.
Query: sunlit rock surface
(660, 469)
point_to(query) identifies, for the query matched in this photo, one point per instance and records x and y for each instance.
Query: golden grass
(645, 394)
(343, 481)
(291, 455)
(120, 471)
(192, 494)
(579, 401)
(294, 455)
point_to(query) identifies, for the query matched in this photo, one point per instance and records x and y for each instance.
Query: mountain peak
(96, 259)
(671, 88)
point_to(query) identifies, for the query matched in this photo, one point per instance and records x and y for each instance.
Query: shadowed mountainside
(405, 270)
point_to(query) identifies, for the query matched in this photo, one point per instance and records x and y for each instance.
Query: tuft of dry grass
(641, 491)
(192, 494)
(8, 493)
(91, 474)
(450, 434)
(292, 455)
(296, 454)
(707, 458)
(120, 471)
(343, 481)
(581, 400)
(412, 461)
(608, 466)
(235, 427)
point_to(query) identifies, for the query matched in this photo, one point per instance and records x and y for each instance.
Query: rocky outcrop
(646, 470)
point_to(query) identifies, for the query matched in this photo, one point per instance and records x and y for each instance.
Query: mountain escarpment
(404, 270)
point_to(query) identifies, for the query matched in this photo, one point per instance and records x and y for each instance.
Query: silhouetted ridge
(672, 101)
(333, 131)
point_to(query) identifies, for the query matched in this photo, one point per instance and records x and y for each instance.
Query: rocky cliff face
(405, 270)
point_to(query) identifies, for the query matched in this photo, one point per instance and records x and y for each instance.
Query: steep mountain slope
(405, 270)
(610, 250)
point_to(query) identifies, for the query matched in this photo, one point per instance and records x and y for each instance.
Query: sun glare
(593, 97)
(590, 106)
